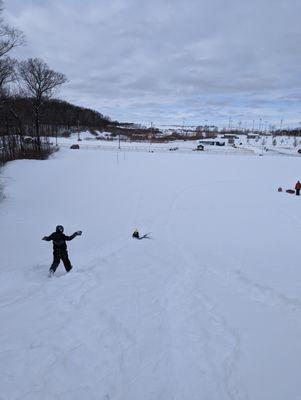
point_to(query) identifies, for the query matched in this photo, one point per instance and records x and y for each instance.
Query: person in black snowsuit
(136, 234)
(60, 248)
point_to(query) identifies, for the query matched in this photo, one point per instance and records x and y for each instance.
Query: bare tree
(9, 38)
(7, 70)
(39, 83)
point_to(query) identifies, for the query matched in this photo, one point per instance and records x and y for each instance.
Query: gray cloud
(141, 60)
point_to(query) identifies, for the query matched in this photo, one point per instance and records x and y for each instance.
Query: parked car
(74, 146)
(199, 147)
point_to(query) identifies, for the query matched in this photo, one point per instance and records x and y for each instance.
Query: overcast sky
(171, 60)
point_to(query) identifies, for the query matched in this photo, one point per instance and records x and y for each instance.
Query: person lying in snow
(137, 236)
(60, 248)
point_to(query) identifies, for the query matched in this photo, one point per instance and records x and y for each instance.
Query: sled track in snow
(216, 322)
(258, 292)
(186, 303)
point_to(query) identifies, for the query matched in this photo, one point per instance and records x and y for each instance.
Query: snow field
(265, 145)
(209, 308)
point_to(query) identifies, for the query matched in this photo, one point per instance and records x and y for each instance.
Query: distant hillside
(17, 116)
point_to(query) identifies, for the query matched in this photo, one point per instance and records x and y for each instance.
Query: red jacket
(298, 185)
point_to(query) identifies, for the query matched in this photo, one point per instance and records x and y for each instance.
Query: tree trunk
(37, 125)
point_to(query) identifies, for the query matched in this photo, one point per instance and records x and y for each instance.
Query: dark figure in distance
(297, 188)
(60, 248)
(136, 234)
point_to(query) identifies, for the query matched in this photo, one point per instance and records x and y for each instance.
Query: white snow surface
(263, 145)
(208, 308)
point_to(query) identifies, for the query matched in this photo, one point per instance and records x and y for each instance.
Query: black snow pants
(298, 192)
(59, 255)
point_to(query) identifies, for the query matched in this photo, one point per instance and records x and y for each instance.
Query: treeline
(18, 129)
(293, 132)
(16, 146)
(17, 116)
(287, 132)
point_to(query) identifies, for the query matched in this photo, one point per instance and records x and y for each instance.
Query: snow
(262, 145)
(209, 308)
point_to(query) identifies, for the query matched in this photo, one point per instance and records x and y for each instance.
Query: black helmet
(59, 229)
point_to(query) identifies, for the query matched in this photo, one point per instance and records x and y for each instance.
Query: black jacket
(59, 240)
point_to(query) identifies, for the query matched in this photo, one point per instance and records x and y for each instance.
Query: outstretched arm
(77, 233)
(47, 238)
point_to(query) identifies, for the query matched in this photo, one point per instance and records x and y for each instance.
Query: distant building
(230, 136)
(212, 142)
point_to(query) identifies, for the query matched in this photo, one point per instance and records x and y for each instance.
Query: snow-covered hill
(209, 308)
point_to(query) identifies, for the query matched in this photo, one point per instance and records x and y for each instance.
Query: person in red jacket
(297, 188)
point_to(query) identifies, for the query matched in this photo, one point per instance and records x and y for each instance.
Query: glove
(44, 238)
(78, 233)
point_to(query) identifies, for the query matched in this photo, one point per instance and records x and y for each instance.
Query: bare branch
(39, 82)
(9, 37)
(7, 70)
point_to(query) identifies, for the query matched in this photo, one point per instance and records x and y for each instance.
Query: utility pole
(229, 126)
(150, 136)
(265, 126)
(78, 137)
(260, 121)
